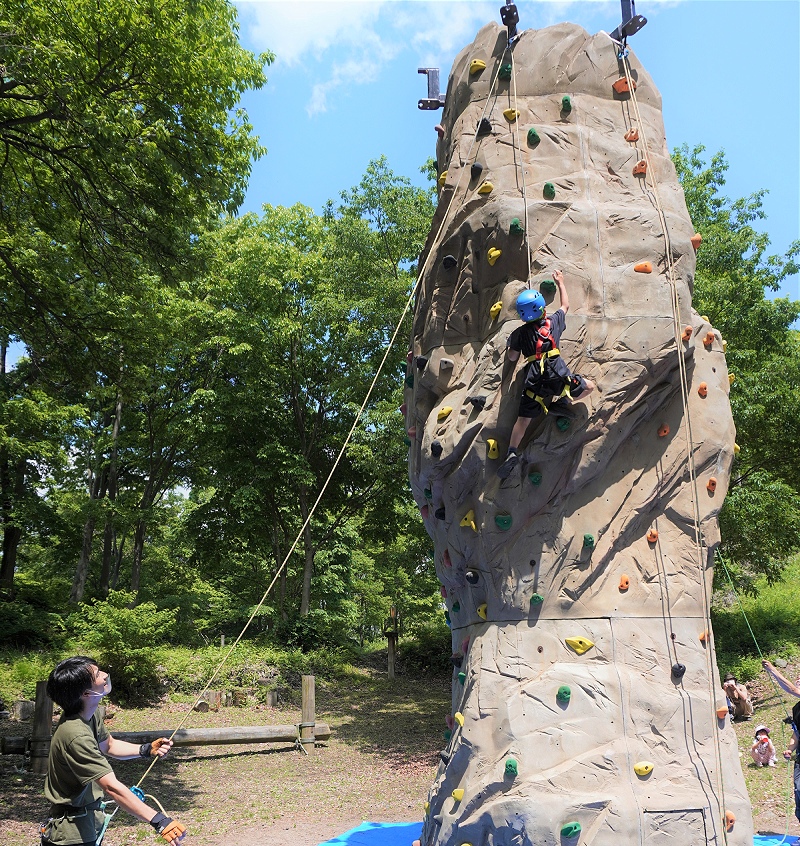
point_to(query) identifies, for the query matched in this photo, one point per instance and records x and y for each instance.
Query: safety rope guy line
(650, 176)
(356, 421)
(518, 147)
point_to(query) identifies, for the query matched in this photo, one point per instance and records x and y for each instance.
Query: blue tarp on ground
(403, 834)
(378, 834)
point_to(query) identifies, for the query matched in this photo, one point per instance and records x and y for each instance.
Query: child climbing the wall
(548, 380)
(762, 750)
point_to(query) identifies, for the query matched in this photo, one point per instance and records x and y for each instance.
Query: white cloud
(348, 42)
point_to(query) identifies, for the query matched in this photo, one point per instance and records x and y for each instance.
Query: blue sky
(344, 88)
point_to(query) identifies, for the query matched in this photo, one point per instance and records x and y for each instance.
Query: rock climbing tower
(586, 703)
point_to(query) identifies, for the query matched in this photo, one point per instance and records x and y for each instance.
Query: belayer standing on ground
(794, 722)
(548, 380)
(77, 771)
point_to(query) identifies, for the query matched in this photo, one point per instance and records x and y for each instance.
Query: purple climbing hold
(436, 449)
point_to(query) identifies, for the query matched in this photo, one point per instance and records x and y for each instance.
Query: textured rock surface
(519, 573)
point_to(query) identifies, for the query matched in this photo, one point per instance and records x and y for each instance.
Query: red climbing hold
(687, 333)
(640, 168)
(632, 135)
(621, 85)
(439, 130)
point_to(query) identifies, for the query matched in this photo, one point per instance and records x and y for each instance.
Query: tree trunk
(12, 486)
(308, 566)
(108, 530)
(138, 552)
(118, 550)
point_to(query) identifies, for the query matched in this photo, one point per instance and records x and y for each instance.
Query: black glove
(160, 822)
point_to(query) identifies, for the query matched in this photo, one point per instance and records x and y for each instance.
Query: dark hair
(70, 678)
(796, 714)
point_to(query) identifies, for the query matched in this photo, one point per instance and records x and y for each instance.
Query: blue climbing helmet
(530, 306)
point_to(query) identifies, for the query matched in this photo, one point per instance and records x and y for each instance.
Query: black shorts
(530, 408)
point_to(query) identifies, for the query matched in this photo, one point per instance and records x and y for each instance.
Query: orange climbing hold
(730, 819)
(640, 168)
(705, 637)
(722, 712)
(687, 333)
(709, 339)
(702, 389)
(696, 240)
(711, 484)
(621, 85)
(663, 430)
(652, 536)
(632, 135)
(643, 267)
(624, 582)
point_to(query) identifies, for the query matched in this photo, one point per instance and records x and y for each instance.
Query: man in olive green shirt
(78, 772)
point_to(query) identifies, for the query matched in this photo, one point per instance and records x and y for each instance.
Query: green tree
(760, 520)
(120, 138)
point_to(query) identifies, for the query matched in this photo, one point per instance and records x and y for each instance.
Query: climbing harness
(550, 378)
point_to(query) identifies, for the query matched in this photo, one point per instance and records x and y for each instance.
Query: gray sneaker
(507, 467)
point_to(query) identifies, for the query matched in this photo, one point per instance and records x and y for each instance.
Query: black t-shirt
(523, 338)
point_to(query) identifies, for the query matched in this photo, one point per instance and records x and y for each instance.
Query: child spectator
(762, 750)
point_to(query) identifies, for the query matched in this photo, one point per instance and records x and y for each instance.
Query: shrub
(124, 640)
(428, 650)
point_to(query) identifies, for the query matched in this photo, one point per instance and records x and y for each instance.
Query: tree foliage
(760, 520)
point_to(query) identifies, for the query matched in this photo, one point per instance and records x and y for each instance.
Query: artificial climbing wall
(585, 689)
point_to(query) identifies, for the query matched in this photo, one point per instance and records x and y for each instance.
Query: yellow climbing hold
(493, 254)
(427, 807)
(495, 310)
(579, 644)
(724, 345)
(643, 768)
(458, 794)
(443, 177)
(736, 449)
(477, 65)
(486, 188)
(481, 609)
(459, 718)
(444, 413)
(731, 378)
(510, 114)
(494, 452)
(469, 520)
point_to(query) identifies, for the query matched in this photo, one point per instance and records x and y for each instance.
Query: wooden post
(308, 719)
(42, 729)
(222, 641)
(390, 630)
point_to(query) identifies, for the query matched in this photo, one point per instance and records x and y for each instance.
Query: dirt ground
(377, 766)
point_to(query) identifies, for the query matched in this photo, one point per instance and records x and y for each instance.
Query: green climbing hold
(564, 693)
(562, 423)
(548, 286)
(503, 522)
(407, 440)
(511, 767)
(588, 541)
(505, 71)
(456, 606)
(428, 493)
(516, 227)
(549, 191)
(462, 677)
(448, 734)
(533, 137)
(447, 616)
(410, 380)
(535, 477)
(566, 104)
(571, 829)
(537, 599)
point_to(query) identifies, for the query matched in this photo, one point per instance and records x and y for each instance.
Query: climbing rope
(790, 783)
(356, 421)
(518, 151)
(684, 383)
